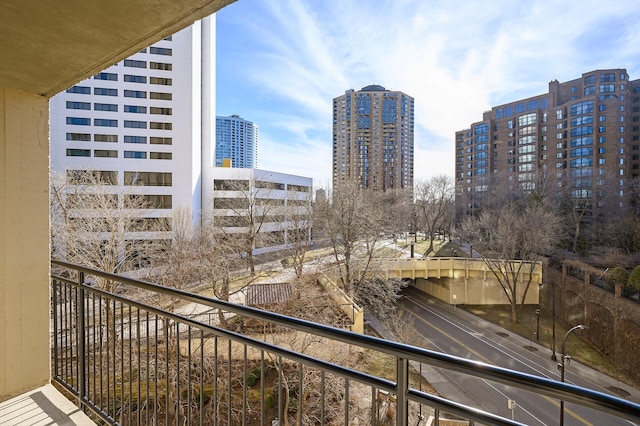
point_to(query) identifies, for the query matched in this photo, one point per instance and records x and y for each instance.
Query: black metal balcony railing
(130, 361)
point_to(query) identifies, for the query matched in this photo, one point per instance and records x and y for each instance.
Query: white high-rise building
(147, 121)
(236, 142)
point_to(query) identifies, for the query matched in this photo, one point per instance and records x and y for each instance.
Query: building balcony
(124, 358)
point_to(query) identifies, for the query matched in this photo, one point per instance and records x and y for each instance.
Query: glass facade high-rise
(237, 141)
(373, 139)
(581, 138)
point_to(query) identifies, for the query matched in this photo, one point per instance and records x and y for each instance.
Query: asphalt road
(456, 332)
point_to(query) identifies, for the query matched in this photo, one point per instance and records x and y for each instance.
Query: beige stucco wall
(24, 242)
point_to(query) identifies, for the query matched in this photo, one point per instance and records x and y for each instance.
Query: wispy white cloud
(283, 61)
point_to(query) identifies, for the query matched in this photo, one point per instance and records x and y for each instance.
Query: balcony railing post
(402, 403)
(80, 333)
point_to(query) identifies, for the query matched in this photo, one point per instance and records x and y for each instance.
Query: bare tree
(97, 223)
(352, 220)
(511, 238)
(250, 205)
(296, 226)
(397, 210)
(434, 198)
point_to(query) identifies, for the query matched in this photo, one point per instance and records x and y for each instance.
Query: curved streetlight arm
(564, 339)
(564, 358)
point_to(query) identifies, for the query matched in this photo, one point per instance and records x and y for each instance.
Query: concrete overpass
(458, 280)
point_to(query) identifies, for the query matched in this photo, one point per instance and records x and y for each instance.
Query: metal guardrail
(130, 361)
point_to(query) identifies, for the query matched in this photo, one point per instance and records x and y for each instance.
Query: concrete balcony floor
(41, 406)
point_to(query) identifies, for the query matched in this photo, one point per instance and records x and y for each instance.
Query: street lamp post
(563, 359)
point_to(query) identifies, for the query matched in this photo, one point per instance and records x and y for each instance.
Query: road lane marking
(485, 359)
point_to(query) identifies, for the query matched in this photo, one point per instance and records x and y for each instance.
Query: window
(481, 129)
(581, 152)
(582, 108)
(160, 155)
(105, 123)
(78, 105)
(602, 129)
(105, 153)
(135, 64)
(602, 150)
(131, 124)
(147, 178)
(584, 130)
(135, 139)
(527, 119)
(101, 91)
(135, 154)
(602, 118)
(607, 77)
(582, 162)
(79, 121)
(162, 96)
(160, 126)
(148, 201)
(602, 107)
(160, 66)
(78, 177)
(581, 141)
(78, 152)
(135, 94)
(85, 137)
(161, 81)
(607, 88)
(106, 76)
(135, 78)
(589, 90)
(161, 141)
(105, 138)
(135, 109)
(559, 114)
(84, 90)
(161, 111)
(160, 51)
(105, 107)
(590, 79)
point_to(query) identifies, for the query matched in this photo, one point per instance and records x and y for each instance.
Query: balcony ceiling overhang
(49, 45)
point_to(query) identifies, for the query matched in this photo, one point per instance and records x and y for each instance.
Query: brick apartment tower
(583, 136)
(373, 139)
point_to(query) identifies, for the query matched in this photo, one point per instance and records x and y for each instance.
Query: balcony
(127, 360)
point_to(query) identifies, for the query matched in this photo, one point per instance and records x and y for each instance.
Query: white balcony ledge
(41, 406)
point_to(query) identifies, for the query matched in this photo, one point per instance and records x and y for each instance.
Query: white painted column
(208, 111)
(24, 242)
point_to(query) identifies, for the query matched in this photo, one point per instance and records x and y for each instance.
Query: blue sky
(280, 63)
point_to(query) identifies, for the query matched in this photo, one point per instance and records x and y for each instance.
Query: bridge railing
(135, 357)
